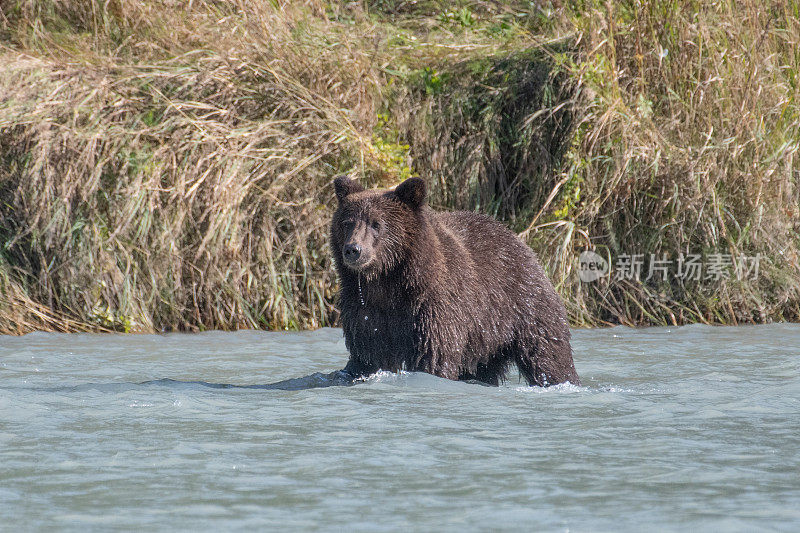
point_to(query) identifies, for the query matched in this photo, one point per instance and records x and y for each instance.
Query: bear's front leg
(356, 369)
(441, 360)
(438, 344)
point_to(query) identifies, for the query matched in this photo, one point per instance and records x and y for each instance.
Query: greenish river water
(675, 429)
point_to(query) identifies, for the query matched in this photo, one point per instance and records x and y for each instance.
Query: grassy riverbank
(164, 167)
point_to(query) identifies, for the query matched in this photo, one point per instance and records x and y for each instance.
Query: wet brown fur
(454, 294)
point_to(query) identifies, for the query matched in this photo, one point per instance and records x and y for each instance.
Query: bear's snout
(356, 255)
(352, 252)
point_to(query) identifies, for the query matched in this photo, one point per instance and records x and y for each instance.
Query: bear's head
(373, 230)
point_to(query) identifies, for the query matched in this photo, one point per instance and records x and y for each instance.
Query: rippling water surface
(674, 429)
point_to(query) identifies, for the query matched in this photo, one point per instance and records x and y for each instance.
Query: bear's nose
(352, 252)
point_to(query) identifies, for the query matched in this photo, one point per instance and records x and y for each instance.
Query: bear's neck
(384, 291)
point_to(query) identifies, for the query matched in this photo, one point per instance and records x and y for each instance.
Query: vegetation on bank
(169, 167)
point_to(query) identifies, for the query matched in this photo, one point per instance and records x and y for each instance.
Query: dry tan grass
(169, 168)
(187, 192)
(689, 145)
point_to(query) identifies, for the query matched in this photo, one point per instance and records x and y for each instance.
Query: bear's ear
(345, 186)
(412, 192)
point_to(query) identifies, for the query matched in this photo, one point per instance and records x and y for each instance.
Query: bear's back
(492, 247)
(504, 275)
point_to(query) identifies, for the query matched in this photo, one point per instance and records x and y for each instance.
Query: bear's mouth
(357, 265)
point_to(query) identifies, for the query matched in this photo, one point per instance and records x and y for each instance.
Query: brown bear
(454, 294)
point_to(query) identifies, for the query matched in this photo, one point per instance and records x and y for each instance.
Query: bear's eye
(347, 223)
(375, 225)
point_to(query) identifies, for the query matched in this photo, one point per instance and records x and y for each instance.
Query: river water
(674, 429)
